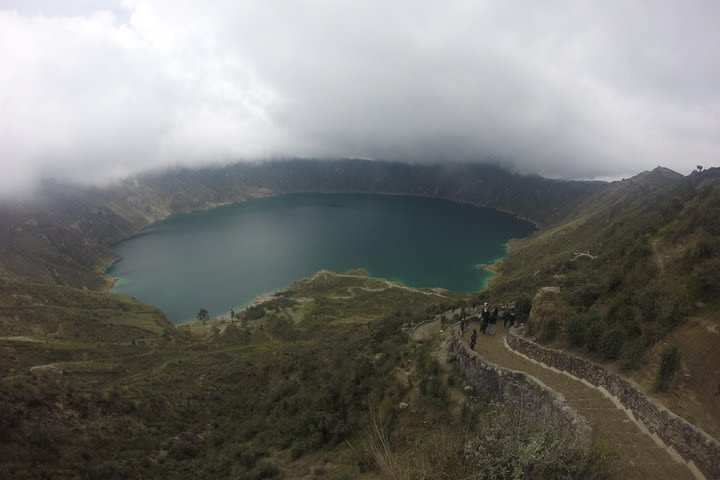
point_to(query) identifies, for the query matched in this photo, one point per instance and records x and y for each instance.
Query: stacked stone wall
(695, 446)
(514, 387)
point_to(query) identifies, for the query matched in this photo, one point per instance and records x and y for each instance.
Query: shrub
(584, 296)
(707, 275)
(518, 443)
(614, 280)
(669, 365)
(282, 328)
(261, 471)
(593, 335)
(522, 308)
(611, 343)
(576, 331)
(390, 327)
(549, 330)
(634, 357)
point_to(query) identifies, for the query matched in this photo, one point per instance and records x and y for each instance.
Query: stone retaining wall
(514, 387)
(697, 448)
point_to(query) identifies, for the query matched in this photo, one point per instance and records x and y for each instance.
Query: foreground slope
(638, 456)
(321, 380)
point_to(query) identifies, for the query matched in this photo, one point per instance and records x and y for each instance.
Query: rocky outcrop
(514, 387)
(697, 448)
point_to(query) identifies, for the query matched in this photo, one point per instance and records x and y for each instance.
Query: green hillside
(636, 265)
(310, 382)
(640, 253)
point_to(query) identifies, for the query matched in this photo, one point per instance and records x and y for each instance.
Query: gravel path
(639, 457)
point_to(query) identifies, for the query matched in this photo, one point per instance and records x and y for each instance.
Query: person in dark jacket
(512, 318)
(484, 320)
(492, 320)
(473, 339)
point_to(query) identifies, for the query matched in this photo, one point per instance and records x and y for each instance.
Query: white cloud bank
(95, 90)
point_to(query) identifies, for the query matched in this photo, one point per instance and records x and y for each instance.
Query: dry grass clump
(508, 443)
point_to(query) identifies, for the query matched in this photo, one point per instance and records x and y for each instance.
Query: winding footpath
(389, 285)
(638, 456)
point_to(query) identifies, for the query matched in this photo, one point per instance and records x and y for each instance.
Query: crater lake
(223, 258)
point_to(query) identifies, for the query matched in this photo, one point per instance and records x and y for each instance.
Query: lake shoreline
(309, 232)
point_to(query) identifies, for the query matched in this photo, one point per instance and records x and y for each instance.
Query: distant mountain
(62, 235)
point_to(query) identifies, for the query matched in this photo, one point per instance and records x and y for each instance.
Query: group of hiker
(488, 318)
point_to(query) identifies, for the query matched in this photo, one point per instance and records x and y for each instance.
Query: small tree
(203, 316)
(611, 343)
(593, 334)
(699, 168)
(576, 330)
(669, 365)
(522, 308)
(549, 330)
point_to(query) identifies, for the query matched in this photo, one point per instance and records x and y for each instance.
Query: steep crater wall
(697, 448)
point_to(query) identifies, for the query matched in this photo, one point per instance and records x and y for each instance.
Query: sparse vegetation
(235, 399)
(593, 335)
(633, 357)
(549, 330)
(523, 304)
(669, 364)
(611, 343)
(505, 443)
(576, 331)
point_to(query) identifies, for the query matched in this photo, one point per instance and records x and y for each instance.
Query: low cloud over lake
(97, 90)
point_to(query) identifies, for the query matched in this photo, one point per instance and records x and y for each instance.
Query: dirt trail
(353, 294)
(386, 282)
(639, 457)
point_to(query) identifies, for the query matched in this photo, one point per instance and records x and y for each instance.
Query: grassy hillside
(635, 264)
(52, 313)
(320, 381)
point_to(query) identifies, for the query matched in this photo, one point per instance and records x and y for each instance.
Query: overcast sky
(93, 90)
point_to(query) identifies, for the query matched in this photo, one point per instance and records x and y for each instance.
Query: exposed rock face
(514, 387)
(693, 444)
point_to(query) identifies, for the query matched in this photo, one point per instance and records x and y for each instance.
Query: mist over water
(223, 258)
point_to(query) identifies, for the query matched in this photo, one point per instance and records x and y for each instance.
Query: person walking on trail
(512, 317)
(484, 320)
(492, 320)
(473, 339)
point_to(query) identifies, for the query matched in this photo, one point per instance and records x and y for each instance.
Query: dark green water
(223, 258)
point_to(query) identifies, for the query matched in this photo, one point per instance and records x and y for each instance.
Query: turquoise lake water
(222, 258)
